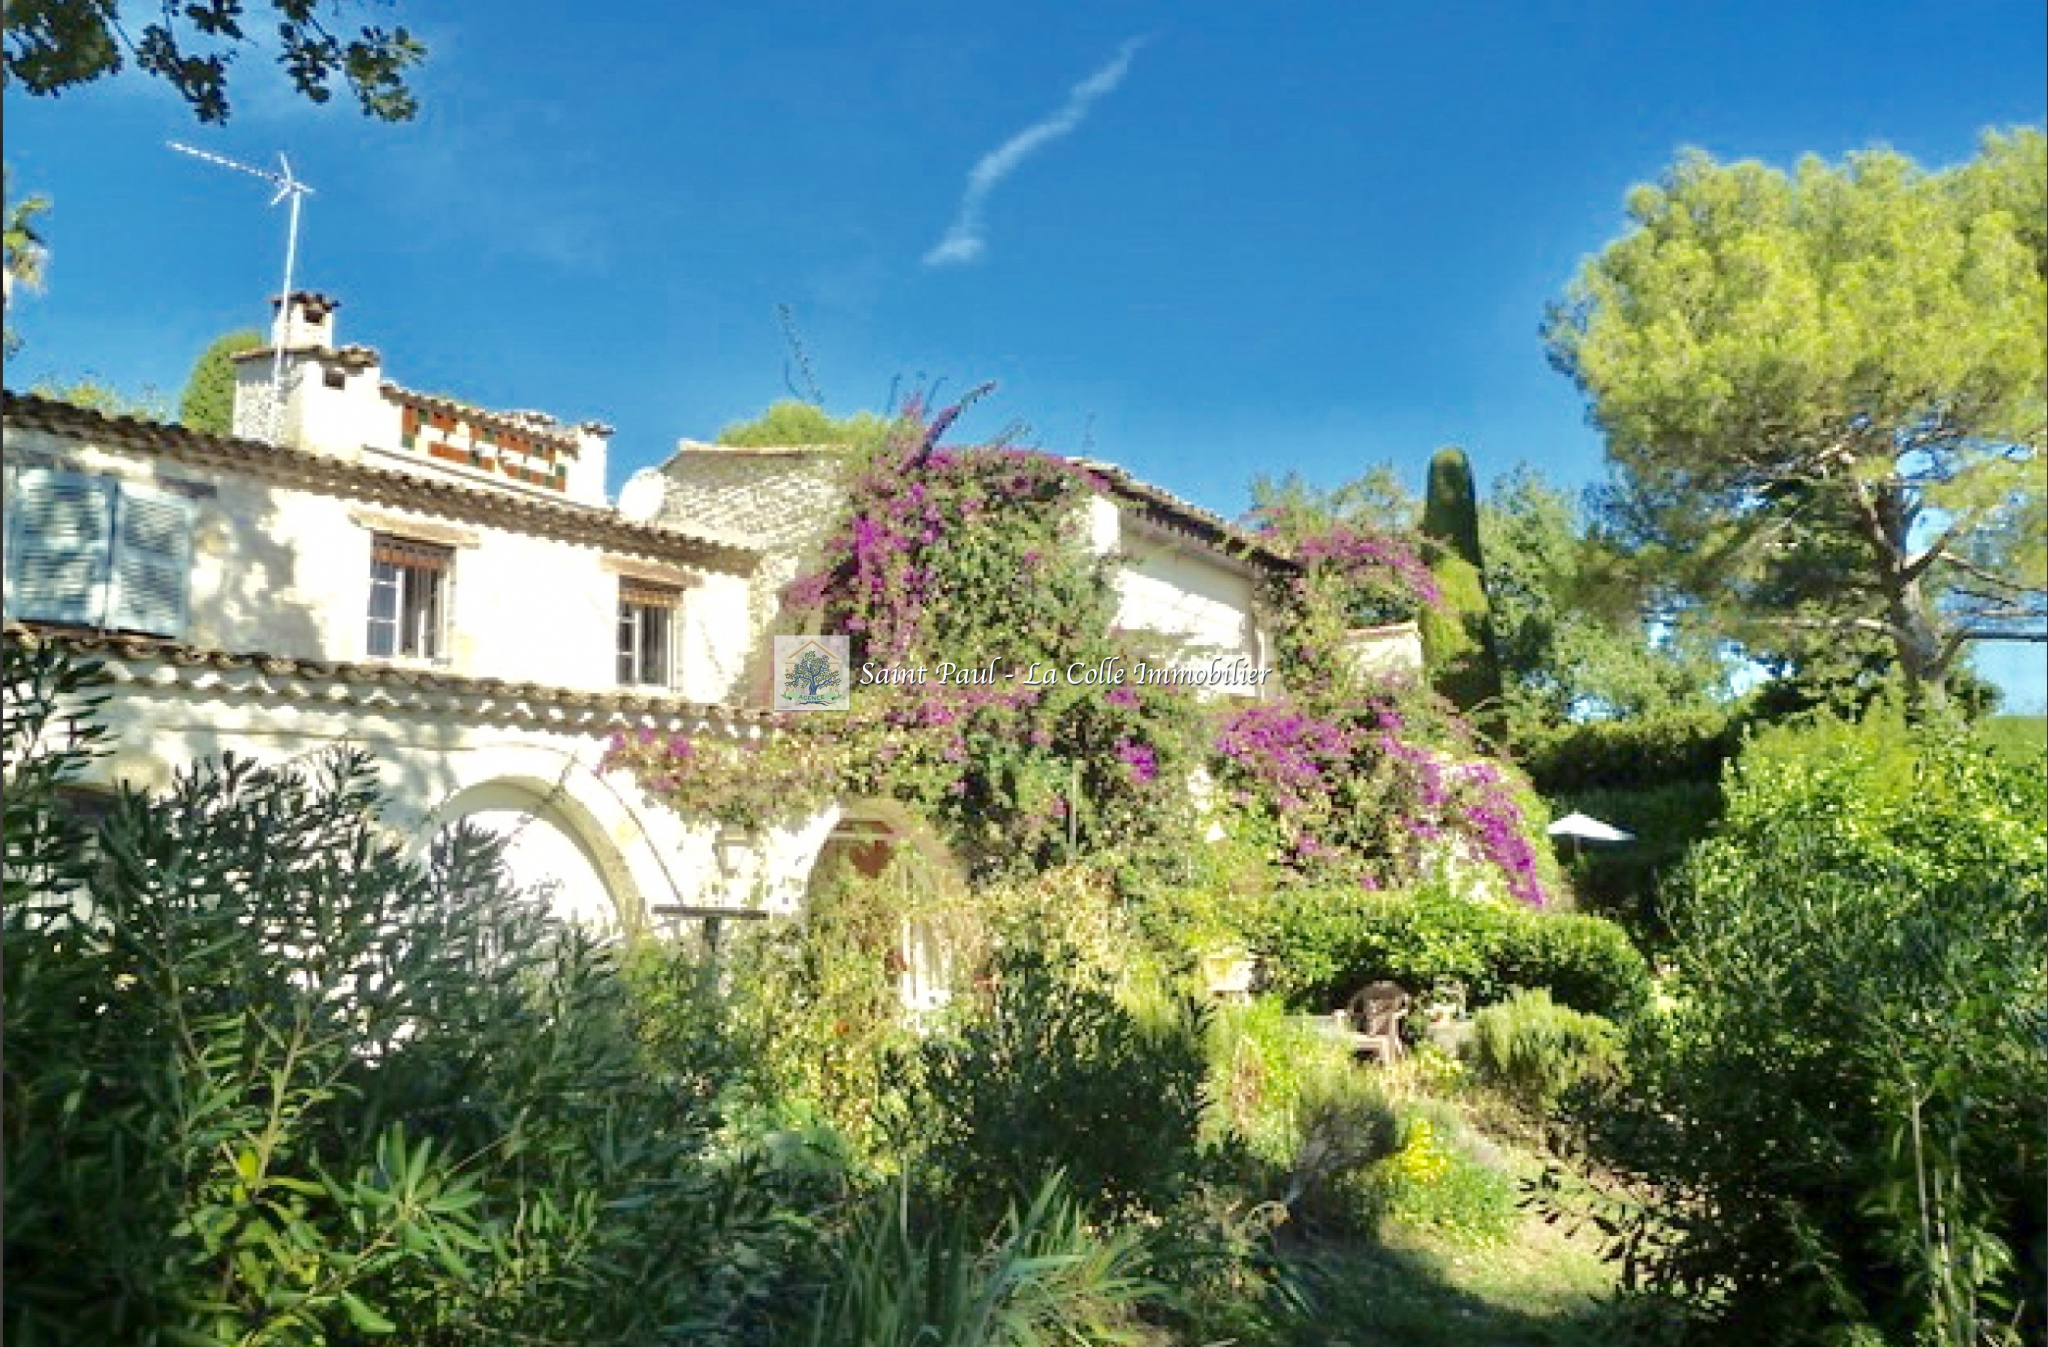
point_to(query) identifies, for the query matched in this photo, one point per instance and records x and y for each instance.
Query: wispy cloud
(966, 239)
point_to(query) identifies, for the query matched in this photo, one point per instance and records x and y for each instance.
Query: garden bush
(1840, 1115)
(1321, 945)
(270, 1080)
(1054, 1072)
(908, 1278)
(1532, 1049)
(1292, 1101)
(1586, 962)
(812, 1012)
(1262, 1062)
(1345, 1127)
(1633, 754)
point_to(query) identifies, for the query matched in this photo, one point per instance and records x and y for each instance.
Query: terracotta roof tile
(535, 425)
(784, 495)
(561, 519)
(489, 699)
(1187, 517)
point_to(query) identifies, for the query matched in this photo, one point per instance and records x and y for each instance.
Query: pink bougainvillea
(980, 554)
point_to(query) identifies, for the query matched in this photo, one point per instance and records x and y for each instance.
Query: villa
(451, 588)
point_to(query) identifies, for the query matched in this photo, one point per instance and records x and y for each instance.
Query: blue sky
(1202, 240)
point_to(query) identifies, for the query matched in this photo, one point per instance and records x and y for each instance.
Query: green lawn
(1416, 1287)
(1540, 1289)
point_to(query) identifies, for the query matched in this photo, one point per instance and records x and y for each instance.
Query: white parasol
(1586, 828)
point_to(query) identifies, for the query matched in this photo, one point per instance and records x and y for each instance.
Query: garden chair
(1375, 1014)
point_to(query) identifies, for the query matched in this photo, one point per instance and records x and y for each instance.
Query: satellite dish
(643, 495)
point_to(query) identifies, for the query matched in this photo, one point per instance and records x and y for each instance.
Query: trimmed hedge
(1321, 945)
(1634, 754)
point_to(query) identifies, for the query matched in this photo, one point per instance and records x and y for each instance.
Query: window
(96, 552)
(410, 586)
(647, 634)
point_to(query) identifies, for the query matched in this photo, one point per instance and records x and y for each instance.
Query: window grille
(647, 633)
(410, 587)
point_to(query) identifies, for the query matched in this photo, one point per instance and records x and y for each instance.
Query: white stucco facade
(281, 564)
(269, 651)
(1181, 573)
(295, 530)
(1205, 602)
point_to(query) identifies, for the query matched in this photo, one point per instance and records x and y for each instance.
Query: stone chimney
(308, 320)
(329, 393)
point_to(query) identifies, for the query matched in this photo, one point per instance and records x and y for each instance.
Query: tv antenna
(289, 188)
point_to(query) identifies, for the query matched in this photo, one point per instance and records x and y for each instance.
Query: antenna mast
(288, 188)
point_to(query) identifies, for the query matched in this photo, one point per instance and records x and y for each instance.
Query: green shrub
(1532, 1049)
(1262, 1062)
(1842, 1110)
(1231, 1282)
(1585, 962)
(1055, 1073)
(271, 1080)
(1345, 1127)
(906, 1279)
(1638, 753)
(809, 1010)
(1321, 945)
(1293, 1101)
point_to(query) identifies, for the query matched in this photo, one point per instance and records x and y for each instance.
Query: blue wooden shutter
(60, 537)
(152, 562)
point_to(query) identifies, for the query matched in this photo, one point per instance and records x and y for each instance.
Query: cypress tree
(1457, 642)
(209, 401)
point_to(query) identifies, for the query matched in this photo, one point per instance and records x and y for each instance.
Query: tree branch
(1830, 624)
(2005, 588)
(2039, 637)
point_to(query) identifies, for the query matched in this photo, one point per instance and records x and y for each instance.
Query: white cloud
(965, 240)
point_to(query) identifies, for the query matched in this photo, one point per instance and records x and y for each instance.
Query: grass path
(1541, 1288)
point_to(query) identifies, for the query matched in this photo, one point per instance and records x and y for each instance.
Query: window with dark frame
(647, 633)
(410, 587)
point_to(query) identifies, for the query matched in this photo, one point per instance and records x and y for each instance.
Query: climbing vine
(974, 564)
(977, 559)
(1367, 776)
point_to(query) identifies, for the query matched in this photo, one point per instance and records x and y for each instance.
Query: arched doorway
(884, 847)
(545, 851)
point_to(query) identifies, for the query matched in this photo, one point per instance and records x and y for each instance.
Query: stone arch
(547, 848)
(566, 824)
(870, 833)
